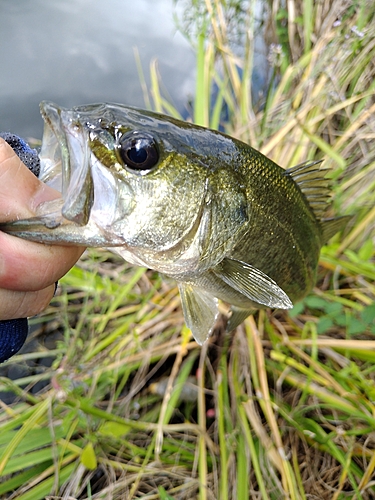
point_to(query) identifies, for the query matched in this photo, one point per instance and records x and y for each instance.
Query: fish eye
(138, 152)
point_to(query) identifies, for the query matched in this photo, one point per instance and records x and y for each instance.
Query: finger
(24, 265)
(43, 265)
(20, 191)
(14, 304)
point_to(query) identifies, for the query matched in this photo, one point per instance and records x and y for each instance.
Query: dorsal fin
(313, 184)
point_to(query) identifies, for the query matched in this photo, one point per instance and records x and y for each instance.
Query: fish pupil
(137, 155)
(138, 151)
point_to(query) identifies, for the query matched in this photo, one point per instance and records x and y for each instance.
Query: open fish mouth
(66, 164)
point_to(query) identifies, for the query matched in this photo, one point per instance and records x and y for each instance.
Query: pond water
(80, 51)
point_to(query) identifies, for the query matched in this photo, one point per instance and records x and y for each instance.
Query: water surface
(81, 51)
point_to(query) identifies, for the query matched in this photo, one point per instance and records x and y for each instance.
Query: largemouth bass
(208, 210)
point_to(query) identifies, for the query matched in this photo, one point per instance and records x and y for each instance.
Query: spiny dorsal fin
(313, 184)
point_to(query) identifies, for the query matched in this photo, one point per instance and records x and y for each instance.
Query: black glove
(13, 332)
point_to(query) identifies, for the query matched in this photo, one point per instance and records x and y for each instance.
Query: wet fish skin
(218, 216)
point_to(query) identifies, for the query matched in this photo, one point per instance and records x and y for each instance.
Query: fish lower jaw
(159, 261)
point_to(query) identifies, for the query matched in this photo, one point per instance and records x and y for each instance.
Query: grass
(126, 405)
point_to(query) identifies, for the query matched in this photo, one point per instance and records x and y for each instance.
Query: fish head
(130, 179)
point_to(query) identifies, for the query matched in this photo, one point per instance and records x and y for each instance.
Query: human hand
(28, 270)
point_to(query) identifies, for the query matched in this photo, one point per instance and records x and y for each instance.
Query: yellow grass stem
(264, 400)
(202, 451)
(369, 219)
(166, 409)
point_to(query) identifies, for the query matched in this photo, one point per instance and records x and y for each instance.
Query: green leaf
(43, 489)
(114, 429)
(324, 324)
(368, 314)
(164, 495)
(297, 309)
(355, 326)
(341, 320)
(316, 302)
(88, 457)
(366, 251)
(21, 479)
(333, 308)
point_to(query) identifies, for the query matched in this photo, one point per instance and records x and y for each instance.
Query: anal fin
(237, 317)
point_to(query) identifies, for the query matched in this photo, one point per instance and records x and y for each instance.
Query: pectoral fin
(200, 310)
(252, 283)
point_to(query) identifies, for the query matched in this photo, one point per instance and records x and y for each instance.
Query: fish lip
(73, 176)
(64, 166)
(54, 140)
(68, 165)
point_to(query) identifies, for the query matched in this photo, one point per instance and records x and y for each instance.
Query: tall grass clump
(124, 404)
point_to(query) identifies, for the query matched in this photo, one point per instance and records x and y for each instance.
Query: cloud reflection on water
(80, 51)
